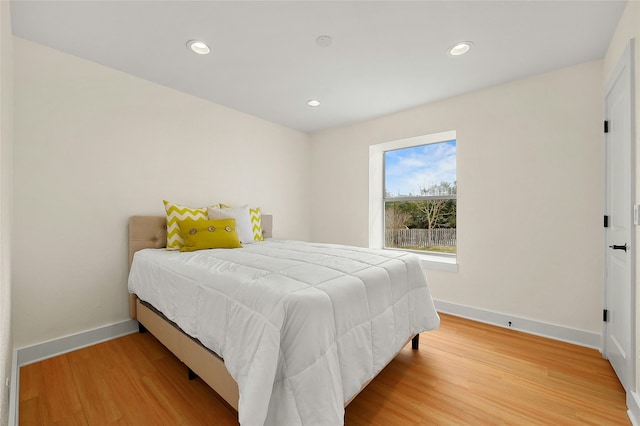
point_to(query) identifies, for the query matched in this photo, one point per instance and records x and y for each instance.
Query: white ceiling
(386, 56)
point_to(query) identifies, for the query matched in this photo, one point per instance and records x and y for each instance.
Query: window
(413, 196)
(420, 198)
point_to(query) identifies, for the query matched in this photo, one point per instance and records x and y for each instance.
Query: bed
(286, 332)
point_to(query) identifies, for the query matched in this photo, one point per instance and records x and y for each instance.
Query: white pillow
(242, 217)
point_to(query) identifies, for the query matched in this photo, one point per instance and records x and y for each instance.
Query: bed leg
(141, 328)
(415, 341)
(192, 375)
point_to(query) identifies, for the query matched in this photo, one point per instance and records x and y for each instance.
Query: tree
(395, 218)
(421, 214)
(437, 213)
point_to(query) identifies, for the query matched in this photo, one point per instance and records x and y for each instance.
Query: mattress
(301, 326)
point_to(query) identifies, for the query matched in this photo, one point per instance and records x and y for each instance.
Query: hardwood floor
(464, 373)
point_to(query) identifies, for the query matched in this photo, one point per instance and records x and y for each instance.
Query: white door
(619, 327)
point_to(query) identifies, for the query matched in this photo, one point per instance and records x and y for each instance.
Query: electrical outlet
(509, 323)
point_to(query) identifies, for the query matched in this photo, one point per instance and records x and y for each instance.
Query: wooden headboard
(151, 232)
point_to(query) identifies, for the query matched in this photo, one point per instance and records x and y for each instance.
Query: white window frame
(376, 195)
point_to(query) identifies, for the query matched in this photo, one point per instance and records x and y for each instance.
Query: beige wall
(530, 185)
(6, 100)
(94, 146)
(629, 28)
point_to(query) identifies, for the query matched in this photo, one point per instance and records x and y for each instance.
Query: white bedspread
(301, 326)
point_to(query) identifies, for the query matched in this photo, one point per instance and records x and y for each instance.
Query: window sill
(439, 263)
(431, 261)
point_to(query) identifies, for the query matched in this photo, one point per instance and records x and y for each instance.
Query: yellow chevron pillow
(256, 224)
(175, 214)
(209, 234)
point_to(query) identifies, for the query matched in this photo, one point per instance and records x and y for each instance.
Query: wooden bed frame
(151, 232)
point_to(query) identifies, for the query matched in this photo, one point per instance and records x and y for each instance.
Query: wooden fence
(420, 238)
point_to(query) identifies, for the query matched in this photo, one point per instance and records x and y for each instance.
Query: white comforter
(301, 326)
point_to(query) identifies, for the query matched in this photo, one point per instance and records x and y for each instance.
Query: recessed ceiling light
(199, 47)
(460, 48)
(313, 103)
(324, 41)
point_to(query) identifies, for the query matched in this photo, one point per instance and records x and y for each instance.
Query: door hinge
(606, 126)
(605, 315)
(606, 221)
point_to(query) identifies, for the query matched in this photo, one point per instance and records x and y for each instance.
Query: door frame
(626, 61)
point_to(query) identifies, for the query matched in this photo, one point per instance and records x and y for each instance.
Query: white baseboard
(40, 351)
(14, 391)
(51, 348)
(633, 405)
(556, 332)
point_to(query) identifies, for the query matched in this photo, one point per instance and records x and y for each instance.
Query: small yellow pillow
(209, 234)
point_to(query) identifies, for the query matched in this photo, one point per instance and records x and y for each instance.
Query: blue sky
(409, 169)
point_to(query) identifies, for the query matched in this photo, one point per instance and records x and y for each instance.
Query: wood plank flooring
(465, 373)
